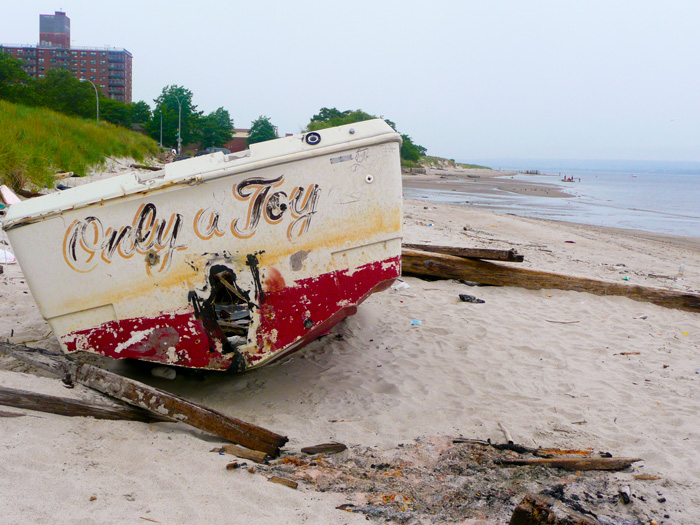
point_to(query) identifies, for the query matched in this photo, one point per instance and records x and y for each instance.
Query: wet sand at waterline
(484, 182)
(554, 368)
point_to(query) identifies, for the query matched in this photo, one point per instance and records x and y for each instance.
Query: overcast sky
(467, 79)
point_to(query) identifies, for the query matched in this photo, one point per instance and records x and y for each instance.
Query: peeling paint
(135, 338)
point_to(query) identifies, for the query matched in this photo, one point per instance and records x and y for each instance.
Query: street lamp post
(179, 122)
(161, 130)
(97, 97)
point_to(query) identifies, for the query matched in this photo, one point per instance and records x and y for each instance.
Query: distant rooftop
(72, 48)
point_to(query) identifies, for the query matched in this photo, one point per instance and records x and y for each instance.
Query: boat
(223, 262)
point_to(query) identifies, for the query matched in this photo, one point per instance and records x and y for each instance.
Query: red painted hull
(290, 317)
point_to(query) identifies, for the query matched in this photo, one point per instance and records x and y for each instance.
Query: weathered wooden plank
(245, 453)
(283, 481)
(435, 265)
(72, 407)
(575, 463)
(57, 364)
(180, 409)
(470, 253)
(153, 399)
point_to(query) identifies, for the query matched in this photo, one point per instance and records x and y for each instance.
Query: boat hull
(222, 261)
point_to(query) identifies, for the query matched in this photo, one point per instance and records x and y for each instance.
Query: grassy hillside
(35, 143)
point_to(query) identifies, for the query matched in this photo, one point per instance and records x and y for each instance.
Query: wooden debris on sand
(443, 480)
(245, 453)
(420, 263)
(522, 449)
(325, 448)
(553, 457)
(152, 399)
(283, 481)
(73, 407)
(470, 253)
(575, 463)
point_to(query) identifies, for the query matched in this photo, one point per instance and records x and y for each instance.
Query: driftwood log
(73, 407)
(470, 253)
(436, 265)
(150, 398)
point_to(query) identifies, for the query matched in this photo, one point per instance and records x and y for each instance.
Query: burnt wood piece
(536, 509)
(470, 253)
(72, 407)
(153, 399)
(575, 463)
(436, 265)
(522, 449)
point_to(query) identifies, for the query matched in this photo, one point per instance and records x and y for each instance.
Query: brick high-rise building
(54, 30)
(108, 68)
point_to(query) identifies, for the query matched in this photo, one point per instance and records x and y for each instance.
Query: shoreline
(482, 181)
(499, 192)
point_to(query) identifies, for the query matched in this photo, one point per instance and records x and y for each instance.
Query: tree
(261, 130)
(216, 128)
(171, 100)
(62, 92)
(15, 84)
(328, 118)
(140, 112)
(409, 150)
(327, 114)
(115, 112)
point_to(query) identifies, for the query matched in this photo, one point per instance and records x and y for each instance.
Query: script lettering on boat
(263, 202)
(87, 241)
(86, 238)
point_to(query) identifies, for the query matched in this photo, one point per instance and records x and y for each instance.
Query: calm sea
(658, 198)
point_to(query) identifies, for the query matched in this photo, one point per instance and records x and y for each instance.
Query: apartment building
(109, 69)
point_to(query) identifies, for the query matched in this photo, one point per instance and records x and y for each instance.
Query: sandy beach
(554, 368)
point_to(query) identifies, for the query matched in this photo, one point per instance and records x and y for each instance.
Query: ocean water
(660, 198)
